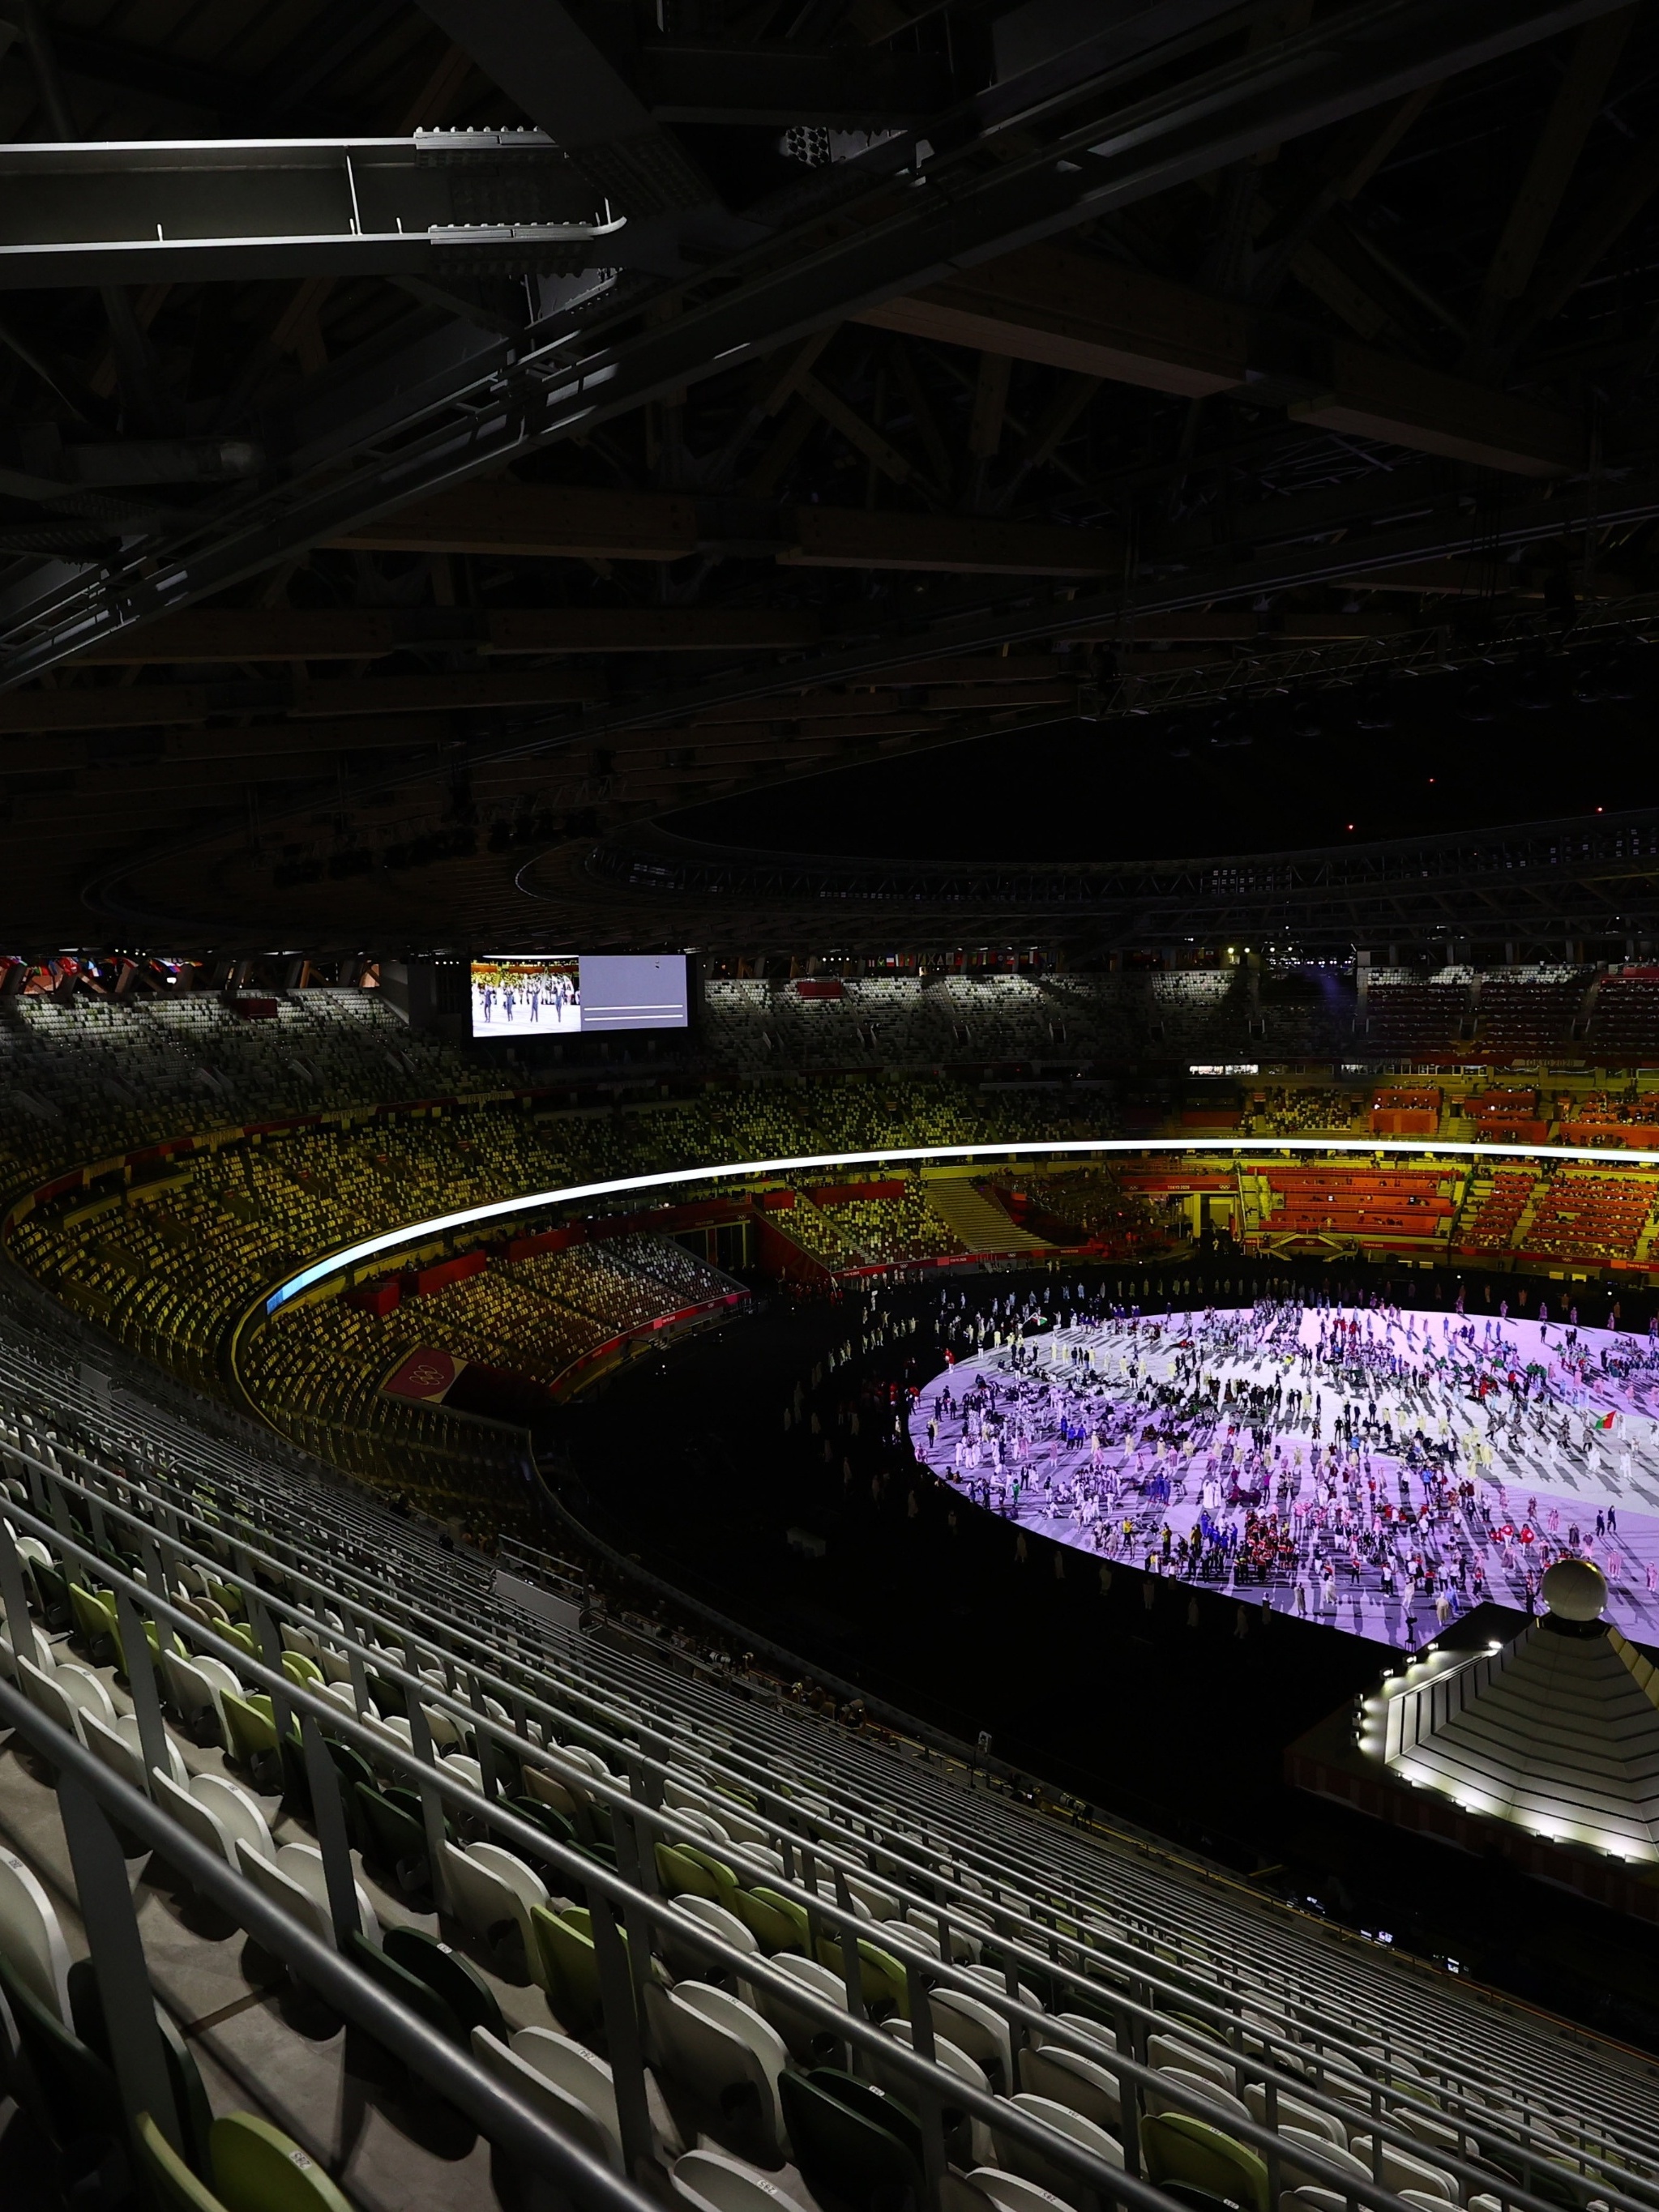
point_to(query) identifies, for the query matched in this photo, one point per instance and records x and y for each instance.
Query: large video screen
(566, 993)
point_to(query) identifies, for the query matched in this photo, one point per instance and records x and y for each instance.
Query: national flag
(1606, 1421)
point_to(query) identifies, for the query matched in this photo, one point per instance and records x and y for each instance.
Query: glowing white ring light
(502, 1208)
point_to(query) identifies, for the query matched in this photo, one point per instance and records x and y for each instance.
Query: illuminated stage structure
(1382, 1472)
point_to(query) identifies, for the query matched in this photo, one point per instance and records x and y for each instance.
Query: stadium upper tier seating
(1451, 1017)
(770, 1957)
(171, 1252)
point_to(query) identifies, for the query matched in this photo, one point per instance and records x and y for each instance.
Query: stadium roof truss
(536, 350)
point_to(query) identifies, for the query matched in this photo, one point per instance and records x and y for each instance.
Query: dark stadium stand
(348, 1743)
(828, 1106)
(361, 1741)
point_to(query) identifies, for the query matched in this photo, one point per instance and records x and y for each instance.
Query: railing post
(488, 1785)
(141, 1681)
(432, 1804)
(623, 2037)
(329, 1814)
(14, 1589)
(105, 1897)
(929, 2107)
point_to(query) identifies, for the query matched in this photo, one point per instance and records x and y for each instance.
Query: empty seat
(713, 2182)
(686, 1958)
(1194, 2085)
(849, 2141)
(569, 2114)
(295, 1879)
(809, 2042)
(1292, 2112)
(978, 2029)
(1176, 2147)
(255, 2168)
(1012, 2193)
(1401, 2169)
(573, 2068)
(733, 2066)
(85, 1690)
(492, 1891)
(1296, 2175)
(1047, 2172)
(121, 1749)
(31, 1941)
(1066, 2077)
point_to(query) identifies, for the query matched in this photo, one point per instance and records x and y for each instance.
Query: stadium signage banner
(426, 1375)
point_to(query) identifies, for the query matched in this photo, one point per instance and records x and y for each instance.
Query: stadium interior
(828, 1106)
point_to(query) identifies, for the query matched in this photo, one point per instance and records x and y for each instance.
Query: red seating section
(1364, 1202)
(1490, 1226)
(1586, 1216)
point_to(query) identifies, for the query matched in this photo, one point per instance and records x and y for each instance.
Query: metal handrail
(626, 1899)
(1325, 2032)
(454, 2073)
(1478, 2124)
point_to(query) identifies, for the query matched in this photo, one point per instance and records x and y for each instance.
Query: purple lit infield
(1381, 1471)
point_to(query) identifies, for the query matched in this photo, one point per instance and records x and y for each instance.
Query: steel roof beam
(455, 203)
(916, 233)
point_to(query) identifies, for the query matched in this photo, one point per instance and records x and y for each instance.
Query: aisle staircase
(978, 1222)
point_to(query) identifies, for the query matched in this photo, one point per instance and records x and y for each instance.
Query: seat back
(283, 1889)
(482, 1901)
(567, 2113)
(715, 2182)
(1067, 2079)
(410, 1990)
(1402, 2169)
(981, 2032)
(574, 2069)
(249, 1725)
(711, 2060)
(1012, 2193)
(31, 1942)
(570, 1969)
(256, 2168)
(237, 1810)
(107, 1744)
(762, 2040)
(1197, 2085)
(1176, 2147)
(42, 1690)
(798, 2029)
(196, 1820)
(172, 2185)
(1292, 2111)
(448, 1975)
(844, 2150)
(776, 1924)
(85, 1690)
(303, 1863)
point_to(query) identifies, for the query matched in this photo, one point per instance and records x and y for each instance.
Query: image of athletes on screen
(539, 996)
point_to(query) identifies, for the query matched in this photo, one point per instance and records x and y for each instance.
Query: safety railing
(638, 1820)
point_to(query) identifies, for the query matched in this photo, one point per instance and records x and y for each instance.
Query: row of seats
(169, 1265)
(1105, 1999)
(1586, 1216)
(82, 1079)
(733, 2046)
(1492, 1210)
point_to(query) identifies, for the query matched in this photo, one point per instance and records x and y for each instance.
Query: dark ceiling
(1032, 431)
